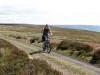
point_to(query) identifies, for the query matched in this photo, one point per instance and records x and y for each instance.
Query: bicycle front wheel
(48, 48)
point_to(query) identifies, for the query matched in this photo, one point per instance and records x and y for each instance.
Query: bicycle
(47, 45)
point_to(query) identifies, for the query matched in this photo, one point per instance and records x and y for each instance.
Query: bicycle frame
(47, 44)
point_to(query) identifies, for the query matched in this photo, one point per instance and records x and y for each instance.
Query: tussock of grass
(96, 57)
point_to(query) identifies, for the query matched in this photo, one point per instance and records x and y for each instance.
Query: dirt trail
(60, 56)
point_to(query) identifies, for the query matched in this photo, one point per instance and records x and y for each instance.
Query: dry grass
(16, 62)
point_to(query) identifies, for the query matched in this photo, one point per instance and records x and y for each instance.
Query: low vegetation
(15, 62)
(79, 50)
(74, 46)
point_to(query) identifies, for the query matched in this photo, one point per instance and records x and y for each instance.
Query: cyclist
(46, 31)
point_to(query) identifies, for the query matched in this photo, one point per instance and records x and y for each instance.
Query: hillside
(58, 33)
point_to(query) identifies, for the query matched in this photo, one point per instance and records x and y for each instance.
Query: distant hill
(83, 27)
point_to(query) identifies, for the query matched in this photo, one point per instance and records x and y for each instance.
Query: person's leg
(43, 38)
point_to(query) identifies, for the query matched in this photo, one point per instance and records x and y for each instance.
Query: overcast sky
(69, 12)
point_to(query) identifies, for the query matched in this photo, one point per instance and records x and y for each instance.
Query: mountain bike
(47, 45)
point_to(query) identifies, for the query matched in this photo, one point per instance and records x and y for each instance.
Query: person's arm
(42, 30)
(50, 31)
